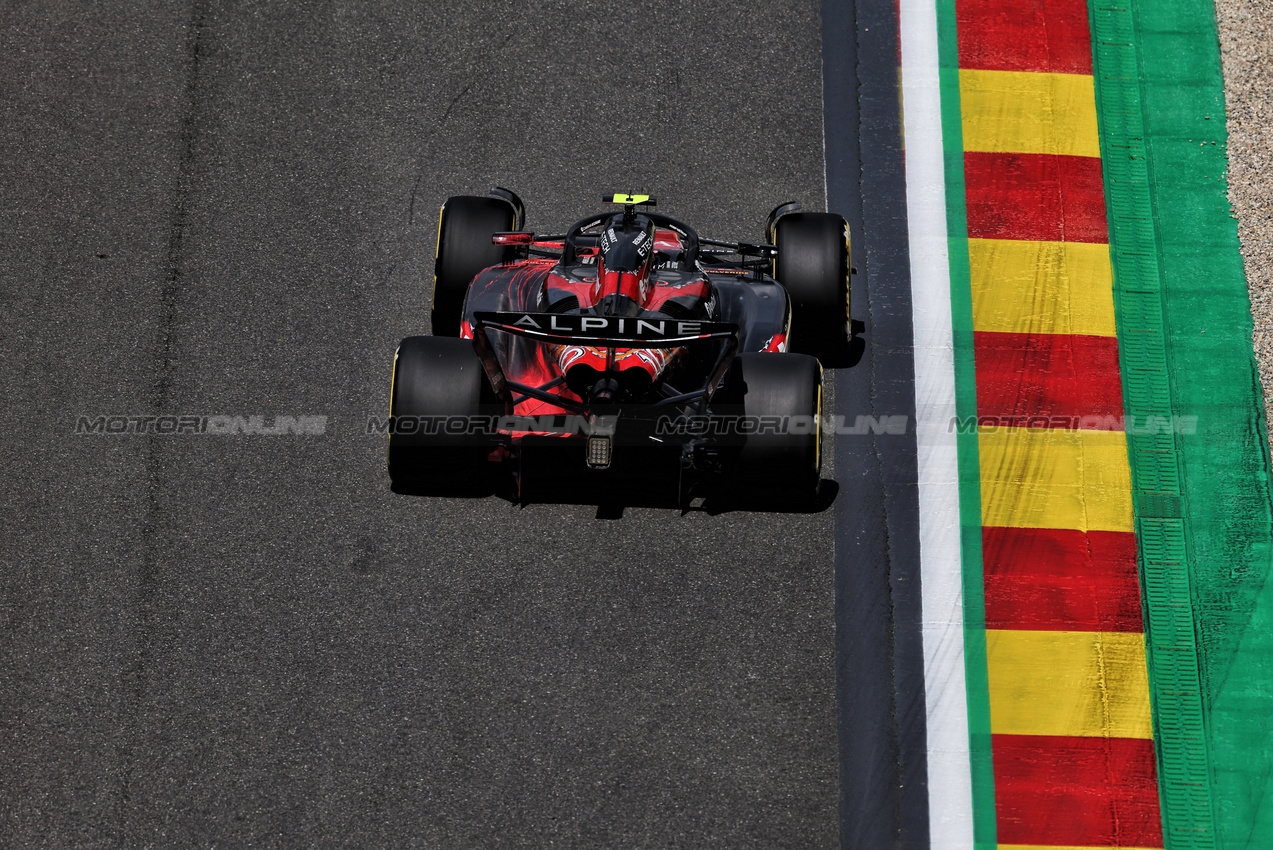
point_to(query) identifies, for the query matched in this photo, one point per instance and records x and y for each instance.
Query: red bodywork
(518, 286)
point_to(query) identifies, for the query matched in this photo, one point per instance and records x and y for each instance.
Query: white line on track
(949, 772)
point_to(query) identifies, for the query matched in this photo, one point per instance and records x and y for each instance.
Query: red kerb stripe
(1012, 35)
(1049, 380)
(1042, 197)
(1055, 579)
(1084, 792)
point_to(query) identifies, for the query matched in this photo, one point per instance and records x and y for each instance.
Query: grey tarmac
(229, 209)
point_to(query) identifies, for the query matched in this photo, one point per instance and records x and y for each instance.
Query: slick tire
(813, 266)
(781, 399)
(464, 249)
(440, 395)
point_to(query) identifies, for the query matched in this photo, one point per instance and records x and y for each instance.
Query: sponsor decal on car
(603, 327)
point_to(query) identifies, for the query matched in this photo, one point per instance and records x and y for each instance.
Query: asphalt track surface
(879, 649)
(230, 208)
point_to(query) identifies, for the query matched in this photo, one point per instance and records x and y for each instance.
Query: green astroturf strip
(975, 668)
(1202, 495)
(1172, 653)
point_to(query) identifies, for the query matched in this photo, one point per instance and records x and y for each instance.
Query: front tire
(813, 266)
(464, 249)
(440, 406)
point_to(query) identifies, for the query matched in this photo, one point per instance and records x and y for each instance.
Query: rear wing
(602, 332)
(605, 331)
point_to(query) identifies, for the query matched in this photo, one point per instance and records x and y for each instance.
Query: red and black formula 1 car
(626, 349)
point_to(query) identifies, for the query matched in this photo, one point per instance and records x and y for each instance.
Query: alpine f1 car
(626, 349)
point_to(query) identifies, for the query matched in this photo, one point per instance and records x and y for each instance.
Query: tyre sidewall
(779, 398)
(813, 267)
(442, 409)
(464, 250)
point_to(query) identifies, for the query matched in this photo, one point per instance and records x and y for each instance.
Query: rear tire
(437, 383)
(464, 249)
(813, 266)
(778, 464)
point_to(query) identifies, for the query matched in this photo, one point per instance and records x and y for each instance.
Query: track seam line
(168, 297)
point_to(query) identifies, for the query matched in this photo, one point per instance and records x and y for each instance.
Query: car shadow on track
(611, 504)
(480, 488)
(727, 502)
(850, 353)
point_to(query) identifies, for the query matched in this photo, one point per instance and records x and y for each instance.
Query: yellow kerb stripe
(1055, 478)
(1041, 287)
(1091, 684)
(1029, 112)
